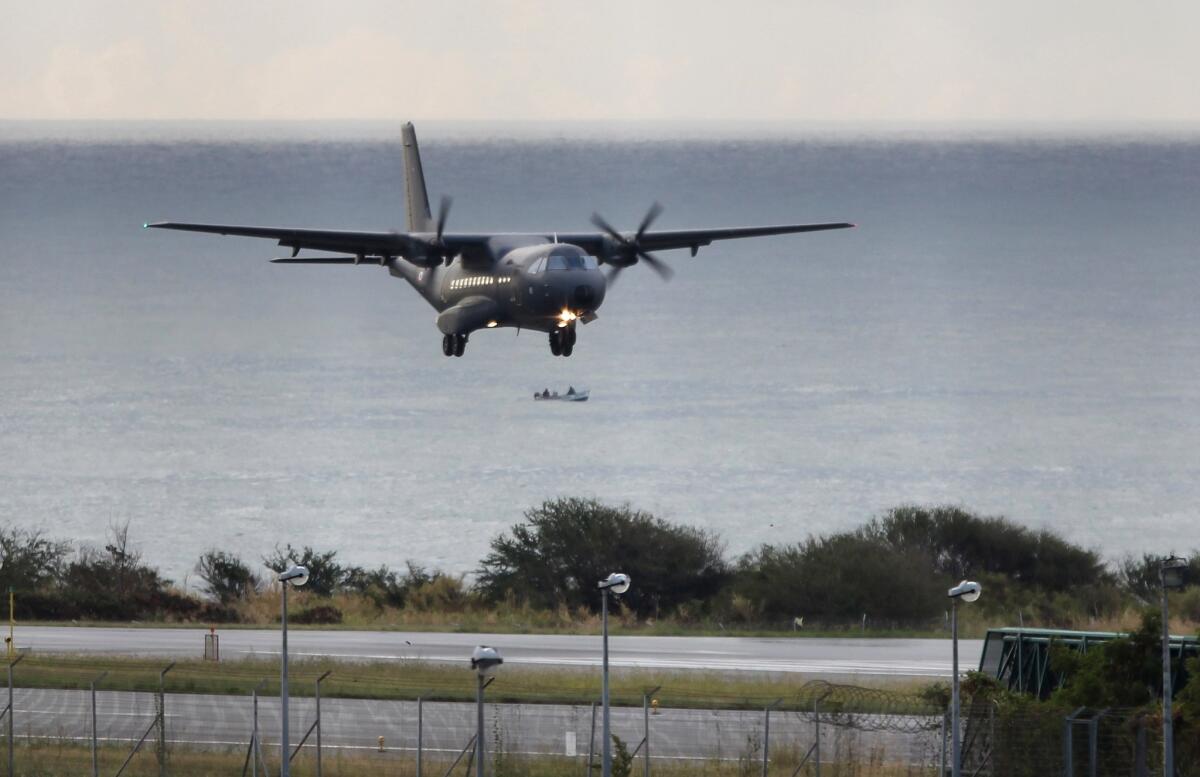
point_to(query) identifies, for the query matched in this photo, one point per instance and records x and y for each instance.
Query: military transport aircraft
(545, 281)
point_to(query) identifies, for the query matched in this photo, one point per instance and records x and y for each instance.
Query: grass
(62, 758)
(408, 680)
(459, 613)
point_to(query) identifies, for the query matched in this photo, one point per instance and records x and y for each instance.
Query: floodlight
(484, 660)
(617, 582)
(967, 590)
(297, 575)
(1174, 572)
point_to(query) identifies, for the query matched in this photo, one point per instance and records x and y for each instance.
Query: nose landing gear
(454, 345)
(562, 341)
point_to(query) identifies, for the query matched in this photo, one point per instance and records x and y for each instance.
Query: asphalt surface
(356, 724)
(819, 657)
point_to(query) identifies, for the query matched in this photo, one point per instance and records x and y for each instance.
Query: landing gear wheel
(556, 343)
(447, 345)
(460, 344)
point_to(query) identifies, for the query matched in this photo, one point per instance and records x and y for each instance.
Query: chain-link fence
(132, 731)
(821, 728)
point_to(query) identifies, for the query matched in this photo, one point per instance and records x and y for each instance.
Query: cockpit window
(572, 261)
(538, 266)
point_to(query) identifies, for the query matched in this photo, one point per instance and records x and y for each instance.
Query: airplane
(542, 281)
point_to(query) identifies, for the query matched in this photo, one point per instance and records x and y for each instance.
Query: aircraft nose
(584, 295)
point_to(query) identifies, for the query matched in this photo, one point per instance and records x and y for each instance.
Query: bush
(325, 574)
(1139, 576)
(566, 546)
(962, 545)
(226, 577)
(116, 585)
(1124, 672)
(317, 614)
(838, 579)
(29, 561)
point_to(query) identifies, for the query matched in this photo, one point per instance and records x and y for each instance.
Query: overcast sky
(953, 60)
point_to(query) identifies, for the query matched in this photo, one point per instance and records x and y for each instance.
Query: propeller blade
(658, 265)
(652, 214)
(604, 226)
(443, 212)
(611, 278)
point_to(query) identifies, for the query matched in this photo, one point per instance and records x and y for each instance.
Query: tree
(226, 577)
(1139, 576)
(29, 561)
(325, 574)
(565, 546)
(961, 544)
(840, 578)
(1123, 672)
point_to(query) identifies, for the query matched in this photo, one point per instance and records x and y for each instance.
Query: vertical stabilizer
(419, 217)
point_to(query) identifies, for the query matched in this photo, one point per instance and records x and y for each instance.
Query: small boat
(571, 396)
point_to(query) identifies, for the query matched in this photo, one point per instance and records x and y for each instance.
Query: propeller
(443, 213)
(629, 251)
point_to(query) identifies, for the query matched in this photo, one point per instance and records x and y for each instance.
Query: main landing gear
(454, 345)
(562, 341)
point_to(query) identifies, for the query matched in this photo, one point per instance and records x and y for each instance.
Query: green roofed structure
(1020, 658)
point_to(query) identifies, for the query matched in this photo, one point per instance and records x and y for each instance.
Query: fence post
(1068, 749)
(255, 750)
(587, 769)
(317, 724)
(11, 711)
(942, 773)
(420, 733)
(767, 735)
(1139, 752)
(95, 761)
(162, 720)
(646, 726)
(817, 727)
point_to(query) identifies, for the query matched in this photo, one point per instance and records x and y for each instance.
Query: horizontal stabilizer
(324, 260)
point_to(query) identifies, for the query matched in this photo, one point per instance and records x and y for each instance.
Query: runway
(839, 658)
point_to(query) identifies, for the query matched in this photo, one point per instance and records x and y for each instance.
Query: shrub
(1139, 576)
(1124, 672)
(317, 614)
(29, 561)
(961, 544)
(565, 546)
(839, 579)
(325, 574)
(226, 577)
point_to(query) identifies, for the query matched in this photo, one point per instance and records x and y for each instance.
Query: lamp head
(297, 575)
(484, 660)
(1174, 572)
(967, 590)
(617, 582)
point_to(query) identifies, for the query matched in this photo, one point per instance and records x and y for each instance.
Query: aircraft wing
(594, 242)
(386, 244)
(365, 243)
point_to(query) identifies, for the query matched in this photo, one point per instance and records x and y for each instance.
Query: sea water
(1011, 327)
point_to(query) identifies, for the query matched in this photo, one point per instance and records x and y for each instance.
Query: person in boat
(570, 391)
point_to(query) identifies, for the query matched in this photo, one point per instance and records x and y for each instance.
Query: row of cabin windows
(478, 280)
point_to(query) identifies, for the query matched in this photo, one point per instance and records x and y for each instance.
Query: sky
(858, 61)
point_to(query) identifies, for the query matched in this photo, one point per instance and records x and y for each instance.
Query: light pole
(617, 583)
(297, 576)
(967, 591)
(484, 661)
(1173, 575)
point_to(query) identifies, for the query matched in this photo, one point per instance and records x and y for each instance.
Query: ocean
(1012, 327)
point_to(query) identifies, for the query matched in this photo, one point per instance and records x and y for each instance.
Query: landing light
(493, 324)
(567, 315)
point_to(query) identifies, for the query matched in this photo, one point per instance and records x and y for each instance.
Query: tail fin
(419, 217)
